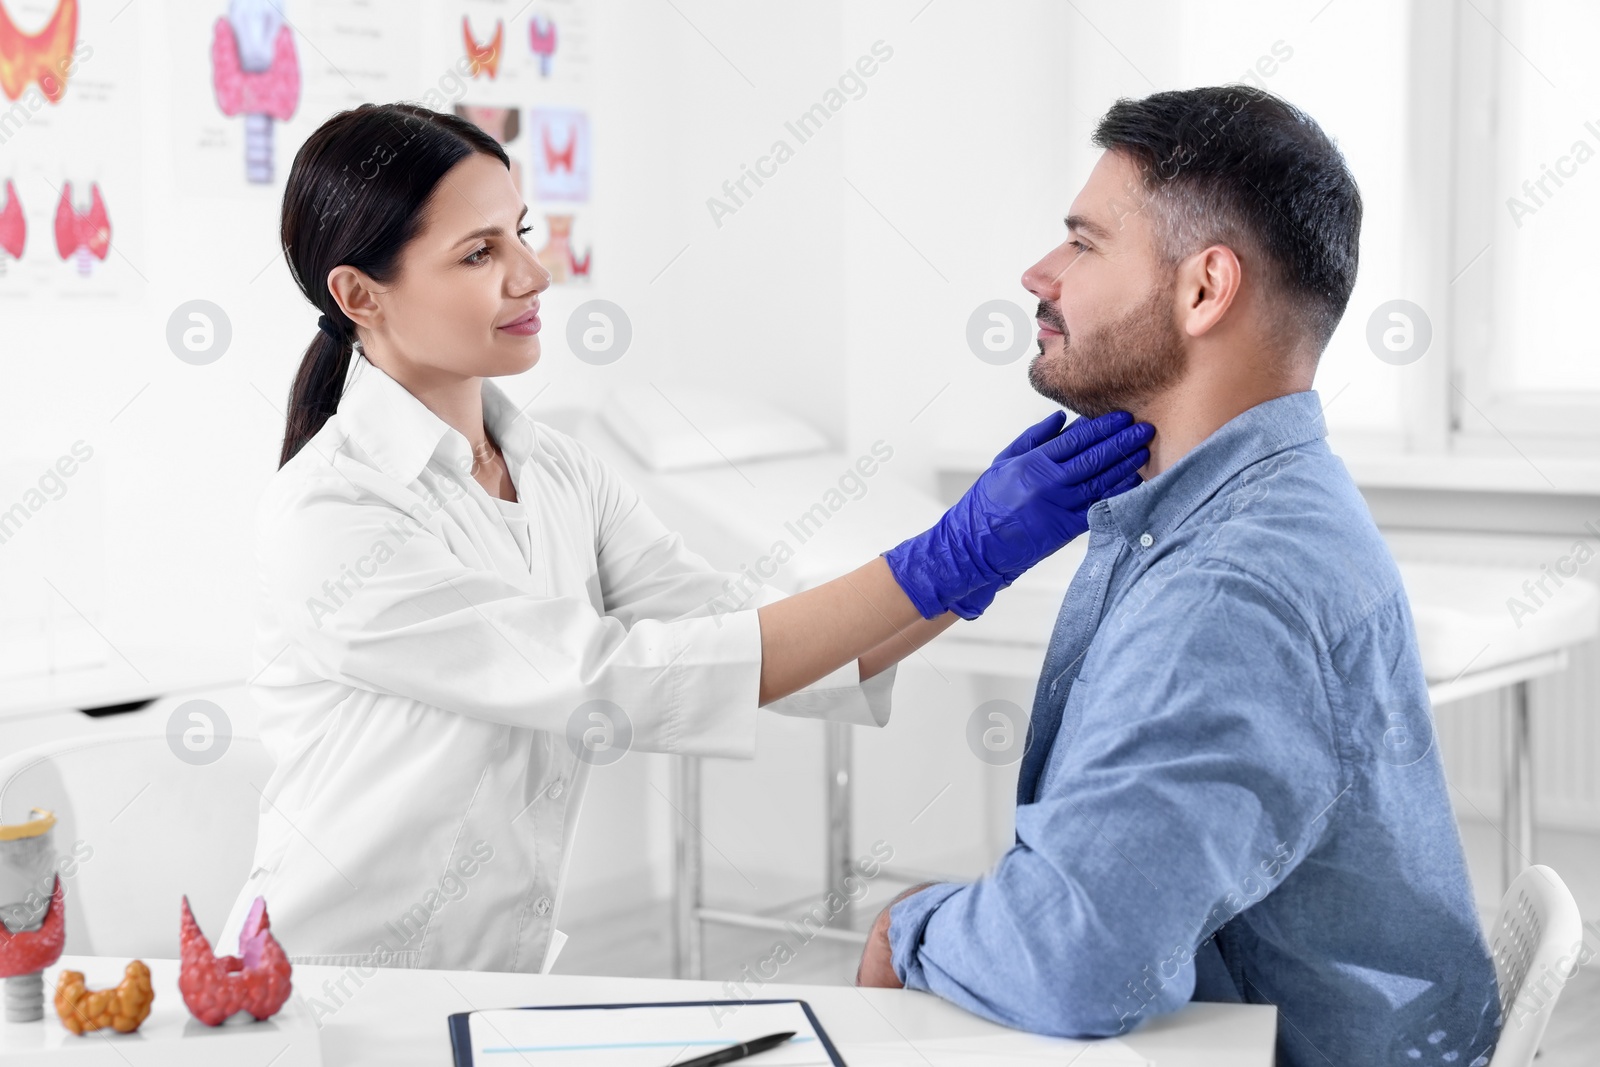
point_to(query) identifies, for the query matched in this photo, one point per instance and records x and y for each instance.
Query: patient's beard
(1115, 366)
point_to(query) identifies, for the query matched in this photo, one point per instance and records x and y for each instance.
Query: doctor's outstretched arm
(1033, 499)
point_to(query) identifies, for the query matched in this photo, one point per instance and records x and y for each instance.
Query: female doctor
(455, 598)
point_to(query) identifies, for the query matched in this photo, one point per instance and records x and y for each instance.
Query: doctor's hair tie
(326, 325)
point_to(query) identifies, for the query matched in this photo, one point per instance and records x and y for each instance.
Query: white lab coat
(422, 650)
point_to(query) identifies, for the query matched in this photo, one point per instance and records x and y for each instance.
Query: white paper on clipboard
(640, 1035)
(1013, 1049)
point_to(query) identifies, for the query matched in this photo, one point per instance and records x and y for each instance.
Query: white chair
(137, 828)
(1536, 943)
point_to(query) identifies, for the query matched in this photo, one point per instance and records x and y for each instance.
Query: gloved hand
(1033, 499)
(977, 602)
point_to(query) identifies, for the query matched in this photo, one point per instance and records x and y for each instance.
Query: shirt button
(555, 789)
(1146, 540)
(542, 905)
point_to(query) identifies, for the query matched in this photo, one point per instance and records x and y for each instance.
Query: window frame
(1481, 418)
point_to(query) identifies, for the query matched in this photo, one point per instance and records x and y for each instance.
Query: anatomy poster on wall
(254, 78)
(525, 73)
(70, 163)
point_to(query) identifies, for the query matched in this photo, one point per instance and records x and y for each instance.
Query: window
(1304, 53)
(1526, 362)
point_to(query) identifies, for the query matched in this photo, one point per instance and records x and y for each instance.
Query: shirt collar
(1159, 505)
(401, 434)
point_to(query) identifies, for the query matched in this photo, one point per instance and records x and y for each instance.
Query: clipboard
(675, 1033)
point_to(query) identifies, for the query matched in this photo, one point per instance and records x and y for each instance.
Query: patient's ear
(1207, 287)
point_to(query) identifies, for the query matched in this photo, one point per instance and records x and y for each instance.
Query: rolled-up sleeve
(1191, 788)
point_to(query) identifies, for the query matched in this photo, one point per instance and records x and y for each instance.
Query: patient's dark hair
(356, 195)
(1238, 166)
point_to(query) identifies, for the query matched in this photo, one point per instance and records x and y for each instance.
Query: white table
(397, 1017)
(1470, 643)
(132, 673)
(1516, 762)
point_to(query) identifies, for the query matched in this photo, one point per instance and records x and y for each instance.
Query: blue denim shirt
(1230, 789)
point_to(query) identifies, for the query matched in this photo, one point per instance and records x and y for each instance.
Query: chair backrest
(1536, 942)
(137, 828)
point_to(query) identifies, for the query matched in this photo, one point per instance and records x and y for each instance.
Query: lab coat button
(555, 789)
(1146, 540)
(542, 905)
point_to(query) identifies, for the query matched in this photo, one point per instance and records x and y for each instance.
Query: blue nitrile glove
(977, 602)
(1032, 500)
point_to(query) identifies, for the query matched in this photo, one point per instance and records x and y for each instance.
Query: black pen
(737, 1052)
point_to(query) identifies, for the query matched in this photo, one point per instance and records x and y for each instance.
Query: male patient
(1230, 790)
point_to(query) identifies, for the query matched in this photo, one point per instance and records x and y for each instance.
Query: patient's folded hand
(877, 965)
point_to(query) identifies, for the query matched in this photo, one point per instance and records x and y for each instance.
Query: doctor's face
(1108, 327)
(467, 274)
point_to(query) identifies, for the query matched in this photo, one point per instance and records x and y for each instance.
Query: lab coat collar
(1160, 505)
(401, 435)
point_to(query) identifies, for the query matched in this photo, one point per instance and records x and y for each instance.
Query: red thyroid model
(215, 987)
(34, 950)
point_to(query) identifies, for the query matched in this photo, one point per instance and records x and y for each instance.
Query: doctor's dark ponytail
(355, 197)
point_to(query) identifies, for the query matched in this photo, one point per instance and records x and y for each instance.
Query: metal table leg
(690, 915)
(836, 768)
(688, 873)
(1516, 802)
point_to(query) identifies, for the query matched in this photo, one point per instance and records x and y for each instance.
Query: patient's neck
(1200, 404)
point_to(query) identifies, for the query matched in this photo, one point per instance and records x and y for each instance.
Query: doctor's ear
(1207, 285)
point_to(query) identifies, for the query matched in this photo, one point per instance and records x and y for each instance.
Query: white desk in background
(1471, 643)
(396, 1017)
(131, 673)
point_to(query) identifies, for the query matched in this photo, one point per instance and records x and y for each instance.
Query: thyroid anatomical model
(121, 1008)
(214, 987)
(256, 73)
(33, 921)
